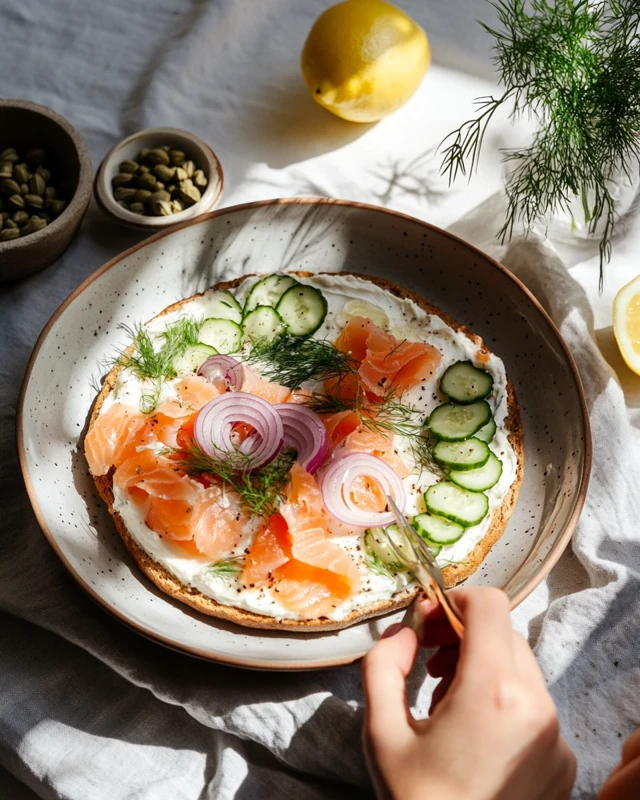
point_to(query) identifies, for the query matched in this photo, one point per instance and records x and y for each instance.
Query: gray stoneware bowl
(315, 235)
(25, 125)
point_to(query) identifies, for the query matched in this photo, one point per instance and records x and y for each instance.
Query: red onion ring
(215, 421)
(305, 433)
(336, 489)
(224, 372)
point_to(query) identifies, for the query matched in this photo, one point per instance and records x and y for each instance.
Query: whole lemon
(364, 59)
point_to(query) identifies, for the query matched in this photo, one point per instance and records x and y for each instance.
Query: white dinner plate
(316, 235)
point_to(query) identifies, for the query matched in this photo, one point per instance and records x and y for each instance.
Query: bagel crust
(452, 574)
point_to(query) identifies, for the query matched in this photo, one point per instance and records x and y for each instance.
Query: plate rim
(552, 557)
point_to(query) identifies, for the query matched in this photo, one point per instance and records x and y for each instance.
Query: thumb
(384, 671)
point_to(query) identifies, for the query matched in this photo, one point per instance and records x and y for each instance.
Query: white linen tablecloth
(89, 710)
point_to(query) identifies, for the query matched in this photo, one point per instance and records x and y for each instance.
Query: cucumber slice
(223, 334)
(488, 432)
(193, 358)
(459, 505)
(479, 480)
(437, 531)
(375, 542)
(263, 324)
(465, 383)
(469, 454)
(453, 423)
(221, 304)
(303, 309)
(268, 291)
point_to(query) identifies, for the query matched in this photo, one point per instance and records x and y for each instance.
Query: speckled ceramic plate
(283, 235)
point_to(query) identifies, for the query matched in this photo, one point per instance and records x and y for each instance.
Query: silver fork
(422, 564)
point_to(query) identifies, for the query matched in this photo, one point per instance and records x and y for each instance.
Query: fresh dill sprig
(292, 360)
(389, 416)
(153, 359)
(376, 565)
(226, 568)
(261, 490)
(574, 66)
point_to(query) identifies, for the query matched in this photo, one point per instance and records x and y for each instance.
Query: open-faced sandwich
(247, 439)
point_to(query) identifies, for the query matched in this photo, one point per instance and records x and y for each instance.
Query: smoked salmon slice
(384, 361)
(376, 443)
(193, 392)
(389, 363)
(340, 425)
(155, 475)
(311, 543)
(270, 550)
(108, 435)
(353, 337)
(308, 590)
(271, 392)
(218, 524)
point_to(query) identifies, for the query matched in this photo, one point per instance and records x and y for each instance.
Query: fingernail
(392, 630)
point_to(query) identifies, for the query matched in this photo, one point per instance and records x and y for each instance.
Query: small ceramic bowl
(25, 125)
(196, 150)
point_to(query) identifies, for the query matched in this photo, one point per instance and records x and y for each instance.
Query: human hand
(624, 781)
(493, 730)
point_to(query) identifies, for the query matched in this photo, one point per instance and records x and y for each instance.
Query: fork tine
(406, 529)
(402, 556)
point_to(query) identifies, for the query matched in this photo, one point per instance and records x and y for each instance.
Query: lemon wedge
(626, 323)
(364, 59)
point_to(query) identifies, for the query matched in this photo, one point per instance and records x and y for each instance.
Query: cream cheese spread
(346, 296)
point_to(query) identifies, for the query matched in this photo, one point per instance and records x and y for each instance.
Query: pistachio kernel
(121, 179)
(177, 157)
(43, 215)
(128, 165)
(9, 223)
(8, 187)
(189, 167)
(21, 173)
(144, 168)
(7, 234)
(34, 200)
(147, 181)
(180, 174)
(16, 202)
(37, 184)
(24, 189)
(34, 224)
(56, 207)
(50, 193)
(158, 156)
(177, 206)
(199, 178)
(160, 185)
(20, 217)
(143, 153)
(161, 195)
(44, 173)
(190, 194)
(137, 208)
(9, 154)
(125, 193)
(142, 195)
(163, 172)
(162, 208)
(6, 169)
